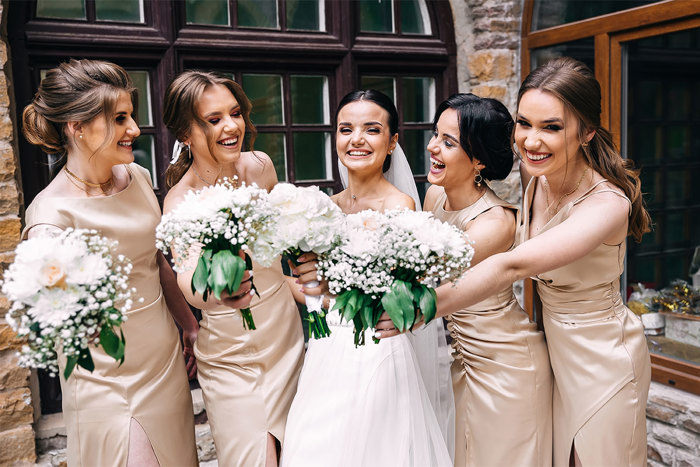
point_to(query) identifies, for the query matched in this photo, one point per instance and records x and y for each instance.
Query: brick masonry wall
(673, 427)
(16, 411)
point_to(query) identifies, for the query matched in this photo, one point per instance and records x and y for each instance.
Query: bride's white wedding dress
(369, 406)
(386, 404)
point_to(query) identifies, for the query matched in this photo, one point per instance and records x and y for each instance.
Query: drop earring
(478, 178)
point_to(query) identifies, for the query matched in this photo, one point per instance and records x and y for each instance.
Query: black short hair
(485, 129)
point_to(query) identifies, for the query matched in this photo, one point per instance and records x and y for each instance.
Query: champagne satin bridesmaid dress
(151, 386)
(598, 352)
(500, 374)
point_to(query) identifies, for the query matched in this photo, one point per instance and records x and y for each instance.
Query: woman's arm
(180, 311)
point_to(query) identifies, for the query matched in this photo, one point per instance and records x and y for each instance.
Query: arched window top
(550, 13)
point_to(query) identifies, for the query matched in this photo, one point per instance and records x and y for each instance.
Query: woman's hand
(240, 298)
(189, 338)
(385, 327)
(307, 272)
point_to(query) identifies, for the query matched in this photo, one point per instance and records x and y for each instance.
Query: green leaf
(342, 299)
(201, 273)
(123, 344)
(368, 317)
(237, 265)
(428, 304)
(398, 303)
(85, 360)
(70, 365)
(218, 274)
(111, 343)
(248, 262)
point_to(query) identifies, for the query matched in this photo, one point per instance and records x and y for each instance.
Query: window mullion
(282, 14)
(90, 11)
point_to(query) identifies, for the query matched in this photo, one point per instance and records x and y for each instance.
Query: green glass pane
(645, 143)
(651, 186)
(383, 84)
(414, 145)
(414, 17)
(650, 240)
(127, 11)
(312, 156)
(680, 99)
(265, 93)
(676, 188)
(582, 49)
(645, 270)
(207, 12)
(376, 15)
(71, 9)
(676, 231)
(418, 99)
(272, 144)
(678, 142)
(141, 81)
(548, 13)
(649, 100)
(306, 15)
(309, 99)
(676, 267)
(143, 155)
(257, 13)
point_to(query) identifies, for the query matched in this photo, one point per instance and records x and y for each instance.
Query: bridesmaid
(248, 378)
(581, 202)
(500, 371)
(139, 413)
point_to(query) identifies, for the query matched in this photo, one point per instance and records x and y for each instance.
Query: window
(294, 58)
(647, 61)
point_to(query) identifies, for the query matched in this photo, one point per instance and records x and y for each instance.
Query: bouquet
(64, 291)
(227, 222)
(308, 221)
(391, 262)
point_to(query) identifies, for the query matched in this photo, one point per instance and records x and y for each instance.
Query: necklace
(104, 186)
(234, 179)
(561, 198)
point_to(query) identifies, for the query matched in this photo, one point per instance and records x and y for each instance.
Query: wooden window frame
(610, 32)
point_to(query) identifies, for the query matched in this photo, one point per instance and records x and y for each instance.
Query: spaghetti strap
(590, 192)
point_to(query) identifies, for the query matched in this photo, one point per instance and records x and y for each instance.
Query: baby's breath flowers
(391, 262)
(308, 221)
(224, 221)
(67, 291)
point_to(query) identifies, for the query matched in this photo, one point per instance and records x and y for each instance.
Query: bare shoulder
(398, 199)
(497, 221)
(257, 167)
(175, 196)
(608, 196)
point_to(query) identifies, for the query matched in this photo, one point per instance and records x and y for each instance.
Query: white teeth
(126, 144)
(437, 164)
(357, 153)
(537, 157)
(229, 142)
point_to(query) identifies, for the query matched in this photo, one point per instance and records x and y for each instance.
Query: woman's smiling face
(450, 164)
(363, 138)
(546, 133)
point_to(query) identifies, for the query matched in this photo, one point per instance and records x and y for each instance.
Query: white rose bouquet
(228, 223)
(308, 221)
(392, 262)
(68, 291)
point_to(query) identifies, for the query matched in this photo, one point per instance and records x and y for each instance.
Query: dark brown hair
(573, 83)
(77, 91)
(180, 112)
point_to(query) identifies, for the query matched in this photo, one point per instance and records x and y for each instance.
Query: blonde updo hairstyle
(180, 113)
(573, 83)
(76, 91)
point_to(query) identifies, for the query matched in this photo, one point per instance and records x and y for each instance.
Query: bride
(379, 404)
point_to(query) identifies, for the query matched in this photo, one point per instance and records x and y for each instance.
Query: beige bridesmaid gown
(598, 353)
(151, 386)
(249, 378)
(500, 374)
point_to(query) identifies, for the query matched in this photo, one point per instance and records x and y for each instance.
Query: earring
(189, 151)
(478, 178)
(585, 145)
(80, 136)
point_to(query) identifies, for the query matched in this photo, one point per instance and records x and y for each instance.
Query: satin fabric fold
(501, 375)
(151, 386)
(598, 353)
(249, 377)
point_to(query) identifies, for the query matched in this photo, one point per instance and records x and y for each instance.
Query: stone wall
(673, 427)
(16, 410)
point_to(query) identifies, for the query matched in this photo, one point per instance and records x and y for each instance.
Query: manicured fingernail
(298, 281)
(377, 335)
(301, 289)
(252, 291)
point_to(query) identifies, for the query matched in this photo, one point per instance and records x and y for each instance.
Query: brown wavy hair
(573, 83)
(76, 91)
(180, 113)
